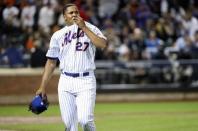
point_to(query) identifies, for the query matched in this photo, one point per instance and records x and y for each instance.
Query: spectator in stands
(27, 16)
(164, 29)
(46, 18)
(124, 54)
(92, 17)
(150, 25)
(142, 14)
(12, 56)
(182, 47)
(10, 15)
(124, 15)
(107, 8)
(121, 17)
(189, 23)
(113, 41)
(61, 21)
(131, 25)
(136, 44)
(164, 6)
(153, 45)
(195, 46)
(183, 42)
(37, 52)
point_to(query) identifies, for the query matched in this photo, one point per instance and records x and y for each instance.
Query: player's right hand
(79, 21)
(41, 91)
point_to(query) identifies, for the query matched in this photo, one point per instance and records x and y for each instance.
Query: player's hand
(41, 91)
(79, 21)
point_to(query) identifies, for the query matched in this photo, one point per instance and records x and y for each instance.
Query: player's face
(70, 14)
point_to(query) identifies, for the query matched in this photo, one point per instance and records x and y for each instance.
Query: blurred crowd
(135, 29)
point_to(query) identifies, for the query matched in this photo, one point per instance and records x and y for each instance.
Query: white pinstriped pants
(77, 101)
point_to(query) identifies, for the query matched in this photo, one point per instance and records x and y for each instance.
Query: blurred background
(152, 45)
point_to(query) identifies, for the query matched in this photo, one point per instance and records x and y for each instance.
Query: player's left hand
(79, 21)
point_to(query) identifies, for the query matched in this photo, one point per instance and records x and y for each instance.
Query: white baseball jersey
(76, 95)
(75, 52)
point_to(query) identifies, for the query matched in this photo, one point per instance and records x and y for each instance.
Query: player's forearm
(96, 40)
(48, 71)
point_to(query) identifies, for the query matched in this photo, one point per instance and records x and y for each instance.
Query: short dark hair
(66, 6)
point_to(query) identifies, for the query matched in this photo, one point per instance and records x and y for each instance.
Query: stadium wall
(18, 86)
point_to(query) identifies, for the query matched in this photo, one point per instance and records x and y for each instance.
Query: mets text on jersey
(69, 36)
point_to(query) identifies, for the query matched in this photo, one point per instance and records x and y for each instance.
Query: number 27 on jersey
(82, 46)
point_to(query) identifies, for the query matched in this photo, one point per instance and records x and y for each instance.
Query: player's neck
(69, 23)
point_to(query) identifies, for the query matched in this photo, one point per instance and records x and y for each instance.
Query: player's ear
(64, 16)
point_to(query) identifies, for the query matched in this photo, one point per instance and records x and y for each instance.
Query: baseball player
(74, 46)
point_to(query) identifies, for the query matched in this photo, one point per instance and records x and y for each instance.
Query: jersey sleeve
(53, 51)
(99, 33)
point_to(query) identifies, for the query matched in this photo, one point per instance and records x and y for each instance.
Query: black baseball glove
(39, 104)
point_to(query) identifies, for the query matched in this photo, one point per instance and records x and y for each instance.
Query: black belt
(75, 74)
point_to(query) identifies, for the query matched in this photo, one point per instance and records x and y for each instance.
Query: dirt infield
(110, 97)
(29, 120)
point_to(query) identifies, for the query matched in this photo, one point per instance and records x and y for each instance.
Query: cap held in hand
(39, 104)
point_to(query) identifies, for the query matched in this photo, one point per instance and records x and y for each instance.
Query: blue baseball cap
(38, 105)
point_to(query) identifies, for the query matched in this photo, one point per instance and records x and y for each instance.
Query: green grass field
(160, 116)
